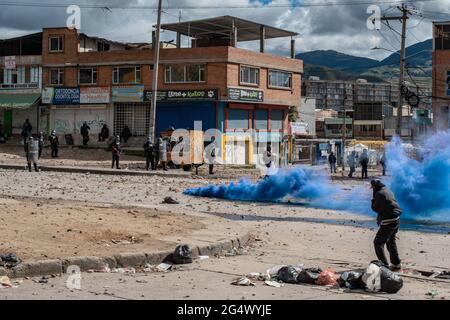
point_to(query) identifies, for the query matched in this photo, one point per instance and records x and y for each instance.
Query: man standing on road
(85, 133)
(383, 163)
(54, 143)
(149, 151)
(161, 153)
(351, 163)
(116, 151)
(32, 151)
(364, 161)
(212, 154)
(332, 160)
(41, 143)
(26, 130)
(389, 211)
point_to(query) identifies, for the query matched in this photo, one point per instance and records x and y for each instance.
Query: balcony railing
(19, 85)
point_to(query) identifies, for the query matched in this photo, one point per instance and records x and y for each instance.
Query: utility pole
(403, 19)
(344, 130)
(152, 128)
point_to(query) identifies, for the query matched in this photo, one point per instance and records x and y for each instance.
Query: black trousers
(40, 152)
(85, 140)
(150, 162)
(364, 172)
(386, 236)
(384, 170)
(115, 160)
(352, 170)
(211, 169)
(54, 151)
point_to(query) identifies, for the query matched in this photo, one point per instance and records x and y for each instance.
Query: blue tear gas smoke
(420, 178)
(421, 185)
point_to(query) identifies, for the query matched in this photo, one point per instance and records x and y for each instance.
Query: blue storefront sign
(64, 96)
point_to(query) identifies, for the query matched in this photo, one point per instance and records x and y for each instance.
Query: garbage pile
(376, 278)
(9, 260)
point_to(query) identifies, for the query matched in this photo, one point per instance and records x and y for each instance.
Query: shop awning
(18, 101)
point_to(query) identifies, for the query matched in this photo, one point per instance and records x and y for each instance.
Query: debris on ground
(203, 257)
(309, 275)
(432, 293)
(163, 267)
(273, 284)
(288, 274)
(444, 275)
(130, 240)
(272, 273)
(170, 200)
(351, 280)
(10, 260)
(243, 281)
(258, 276)
(5, 282)
(182, 254)
(379, 278)
(233, 252)
(327, 278)
(124, 270)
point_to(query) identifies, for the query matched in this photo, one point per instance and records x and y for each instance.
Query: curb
(103, 171)
(123, 260)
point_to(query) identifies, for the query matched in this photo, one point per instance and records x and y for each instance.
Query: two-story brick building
(441, 75)
(225, 87)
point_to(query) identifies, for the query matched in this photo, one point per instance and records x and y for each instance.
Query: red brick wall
(441, 64)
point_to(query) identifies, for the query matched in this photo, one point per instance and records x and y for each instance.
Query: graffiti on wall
(95, 124)
(62, 125)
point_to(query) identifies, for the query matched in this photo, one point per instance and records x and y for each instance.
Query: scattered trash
(379, 278)
(432, 293)
(9, 260)
(130, 240)
(123, 270)
(43, 279)
(243, 281)
(272, 273)
(351, 280)
(163, 267)
(309, 275)
(170, 200)
(203, 257)
(444, 275)
(273, 284)
(182, 254)
(233, 252)
(288, 274)
(258, 276)
(5, 282)
(327, 278)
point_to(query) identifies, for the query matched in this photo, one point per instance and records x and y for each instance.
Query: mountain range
(333, 65)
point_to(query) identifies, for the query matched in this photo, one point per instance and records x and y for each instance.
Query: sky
(321, 26)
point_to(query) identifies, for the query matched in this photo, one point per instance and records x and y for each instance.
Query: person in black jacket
(54, 143)
(104, 133)
(126, 134)
(332, 160)
(364, 161)
(389, 211)
(41, 143)
(149, 151)
(85, 133)
(116, 151)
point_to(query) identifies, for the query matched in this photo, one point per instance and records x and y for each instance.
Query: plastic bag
(182, 254)
(309, 275)
(288, 274)
(379, 278)
(327, 278)
(391, 282)
(351, 280)
(372, 278)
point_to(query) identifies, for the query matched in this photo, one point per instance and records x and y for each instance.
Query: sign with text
(299, 128)
(238, 94)
(183, 95)
(448, 83)
(10, 62)
(66, 96)
(94, 95)
(128, 94)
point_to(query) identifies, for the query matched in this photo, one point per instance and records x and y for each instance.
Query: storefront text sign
(237, 94)
(299, 128)
(183, 95)
(66, 96)
(128, 94)
(94, 95)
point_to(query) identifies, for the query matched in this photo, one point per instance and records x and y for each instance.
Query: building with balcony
(441, 75)
(20, 82)
(245, 94)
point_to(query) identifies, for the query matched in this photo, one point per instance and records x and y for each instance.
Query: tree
(293, 114)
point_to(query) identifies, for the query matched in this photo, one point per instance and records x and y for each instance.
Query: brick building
(226, 88)
(441, 75)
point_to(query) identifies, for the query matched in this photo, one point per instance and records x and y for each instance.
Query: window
(276, 119)
(103, 46)
(2, 76)
(56, 44)
(34, 75)
(249, 75)
(280, 79)
(87, 76)
(178, 73)
(261, 119)
(237, 119)
(57, 76)
(127, 75)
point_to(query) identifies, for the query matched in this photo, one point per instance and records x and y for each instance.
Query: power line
(197, 7)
